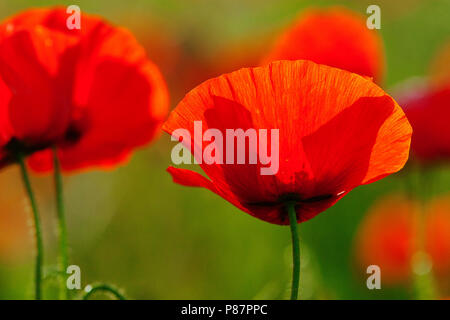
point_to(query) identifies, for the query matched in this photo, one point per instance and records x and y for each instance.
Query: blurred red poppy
(438, 235)
(426, 104)
(34, 111)
(386, 238)
(337, 130)
(335, 37)
(91, 92)
(389, 237)
(428, 111)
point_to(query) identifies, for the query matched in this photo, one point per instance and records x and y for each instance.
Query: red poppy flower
(33, 109)
(438, 235)
(91, 92)
(337, 130)
(389, 237)
(335, 37)
(426, 104)
(428, 112)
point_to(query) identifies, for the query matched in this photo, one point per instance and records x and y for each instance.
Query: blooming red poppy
(91, 92)
(337, 130)
(428, 112)
(335, 37)
(33, 109)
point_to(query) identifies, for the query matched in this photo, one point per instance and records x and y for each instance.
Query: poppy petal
(34, 64)
(190, 178)
(6, 131)
(346, 156)
(428, 113)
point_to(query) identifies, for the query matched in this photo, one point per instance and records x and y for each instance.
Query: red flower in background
(437, 234)
(91, 92)
(337, 130)
(335, 37)
(34, 104)
(386, 238)
(429, 113)
(427, 106)
(389, 237)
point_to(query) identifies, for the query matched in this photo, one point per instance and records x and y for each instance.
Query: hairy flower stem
(37, 226)
(62, 230)
(104, 287)
(295, 250)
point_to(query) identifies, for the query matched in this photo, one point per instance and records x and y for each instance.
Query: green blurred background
(136, 229)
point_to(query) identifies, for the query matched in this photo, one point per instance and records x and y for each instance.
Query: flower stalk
(106, 288)
(295, 250)
(62, 229)
(37, 226)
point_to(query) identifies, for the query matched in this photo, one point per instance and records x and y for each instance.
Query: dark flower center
(15, 146)
(291, 197)
(73, 135)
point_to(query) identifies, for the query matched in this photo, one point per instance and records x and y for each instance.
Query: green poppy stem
(62, 229)
(104, 287)
(37, 226)
(295, 250)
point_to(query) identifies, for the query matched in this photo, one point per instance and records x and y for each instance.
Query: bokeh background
(136, 229)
